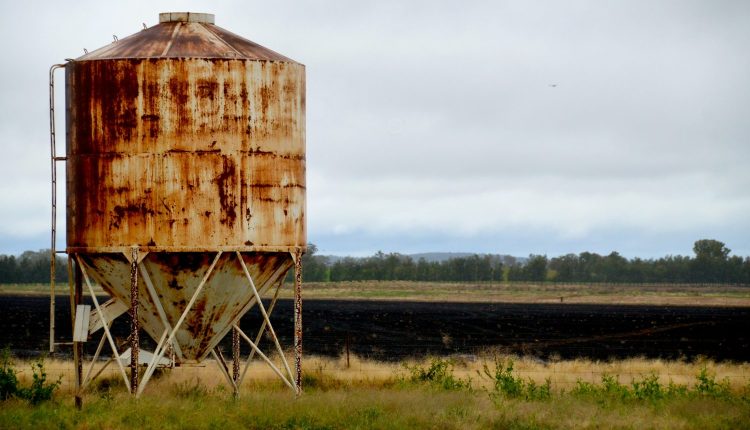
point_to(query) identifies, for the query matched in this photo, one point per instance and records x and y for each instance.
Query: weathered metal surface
(185, 139)
(175, 277)
(171, 154)
(184, 40)
(111, 309)
(81, 328)
(207, 18)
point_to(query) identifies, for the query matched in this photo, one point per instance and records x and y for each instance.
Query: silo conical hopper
(185, 141)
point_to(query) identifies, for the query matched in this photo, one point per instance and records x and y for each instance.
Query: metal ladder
(53, 164)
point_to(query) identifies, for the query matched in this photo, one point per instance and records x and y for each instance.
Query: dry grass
(370, 394)
(326, 372)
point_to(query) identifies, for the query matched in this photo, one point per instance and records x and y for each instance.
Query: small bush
(648, 388)
(438, 374)
(40, 390)
(8, 379)
(676, 390)
(584, 388)
(507, 384)
(539, 392)
(611, 385)
(707, 386)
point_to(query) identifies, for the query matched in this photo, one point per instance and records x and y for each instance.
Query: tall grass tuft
(438, 374)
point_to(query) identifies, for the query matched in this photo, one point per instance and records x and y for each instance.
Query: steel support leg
(224, 369)
(134, 325)
(236, 359)
(77, 346)
(298, 319)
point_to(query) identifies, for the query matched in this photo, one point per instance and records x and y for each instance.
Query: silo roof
(185, 35)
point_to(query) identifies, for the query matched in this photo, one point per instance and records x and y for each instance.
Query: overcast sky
(506, 127)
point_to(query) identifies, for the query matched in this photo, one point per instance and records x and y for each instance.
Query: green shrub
(8, 379)
(438, 374)
(507, 384)
(707, 386)
(538, 392)
(648, 388)
(40, 390)
(611, 386)
(584, 388)
(676, 390)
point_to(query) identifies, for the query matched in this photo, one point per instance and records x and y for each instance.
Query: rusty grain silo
(185, 153)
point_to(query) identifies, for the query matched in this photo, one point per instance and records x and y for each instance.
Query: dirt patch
(391, 330)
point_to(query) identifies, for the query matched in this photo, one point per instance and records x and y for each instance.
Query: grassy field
(533, 293)
(462, 394)
(653, 294)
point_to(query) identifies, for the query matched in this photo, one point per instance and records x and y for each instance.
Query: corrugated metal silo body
(184, 140)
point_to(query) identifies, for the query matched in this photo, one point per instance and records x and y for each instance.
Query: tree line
(710, 264)
(31, 267)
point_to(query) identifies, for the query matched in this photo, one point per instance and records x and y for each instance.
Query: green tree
(710, 249)
(566, 267)
(614, 268)
(314, 267)
(710, 263)
(536, 268)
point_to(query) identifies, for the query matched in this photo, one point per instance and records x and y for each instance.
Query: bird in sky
(552, 85)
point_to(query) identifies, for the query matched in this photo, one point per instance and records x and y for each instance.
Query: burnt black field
(388, 330)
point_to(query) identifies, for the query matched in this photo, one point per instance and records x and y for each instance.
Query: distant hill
(445, 256)
(440, 257)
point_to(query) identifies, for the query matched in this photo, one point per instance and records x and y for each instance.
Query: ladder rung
(60, 158)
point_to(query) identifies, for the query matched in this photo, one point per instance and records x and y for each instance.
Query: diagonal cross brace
(261, 330)
(265, 315)
(161, 347)
(265, 358)
(104, 321)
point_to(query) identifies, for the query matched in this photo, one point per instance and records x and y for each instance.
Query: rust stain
(184, 148)
(153, 141)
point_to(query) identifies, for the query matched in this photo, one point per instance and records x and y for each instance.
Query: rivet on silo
(174, 135)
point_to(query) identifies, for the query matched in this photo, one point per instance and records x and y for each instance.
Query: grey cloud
(415, 108)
